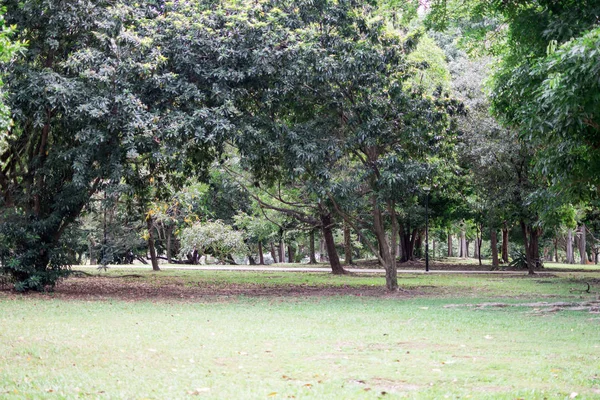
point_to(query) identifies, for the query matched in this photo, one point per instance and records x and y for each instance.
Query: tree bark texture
(274, 253)
(153, 258)
(261, 256)
(505, 243)
(494, 245)
(463, 244)
(347, 245)
(391, 273)
(334, 260)
(311, 255)
(530, 240)
(582, 243)
(281, 250)
(569, 247)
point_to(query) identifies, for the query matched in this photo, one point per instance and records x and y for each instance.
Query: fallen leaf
(272, 394)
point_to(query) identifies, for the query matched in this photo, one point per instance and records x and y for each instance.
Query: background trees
(328, 116)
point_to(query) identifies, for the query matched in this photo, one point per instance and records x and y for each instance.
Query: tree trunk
(418, 246)
(334, 260)
(281, 250)
(556, 249)
(347, 245)
(531, 246)
(582, 243)
(169, 238)
(391, 273)
(274, 253)
(569, 247)
(151, 248)
(311, 255)
(251, 260)
(463, 244)
(450, 253)
(291, 253)
(407, 243)
(494, 245)
(505, 243)
(478, 241)
(323, 251)
(261, 256)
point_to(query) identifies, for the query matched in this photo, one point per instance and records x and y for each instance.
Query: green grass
(340, 347)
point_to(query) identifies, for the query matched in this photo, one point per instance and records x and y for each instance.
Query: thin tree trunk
(169, 238)
(347, 245)
(334, 260)
(312, 259)
(505, 243)
(582, 243)
(261, 256)
(555, 249)
(323, 250)
(450, 252)
(463, 244)
(494, 245)
(151, 248)
(529, 247)
(478, 241)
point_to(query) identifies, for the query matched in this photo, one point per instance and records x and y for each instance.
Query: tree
(102, 98)
(348, 103)
(213, 238)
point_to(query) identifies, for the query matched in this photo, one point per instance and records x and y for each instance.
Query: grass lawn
(223, 334)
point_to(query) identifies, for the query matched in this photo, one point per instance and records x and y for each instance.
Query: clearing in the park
(281, 335)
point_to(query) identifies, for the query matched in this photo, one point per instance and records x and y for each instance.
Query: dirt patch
(539, 307)
(134, 289)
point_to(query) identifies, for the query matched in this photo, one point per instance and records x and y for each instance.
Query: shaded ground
(136, 289)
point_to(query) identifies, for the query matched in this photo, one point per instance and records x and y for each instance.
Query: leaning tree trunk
(274, 253)
(153, 258)
(582, 243)
(311, 255)
(334, 260)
